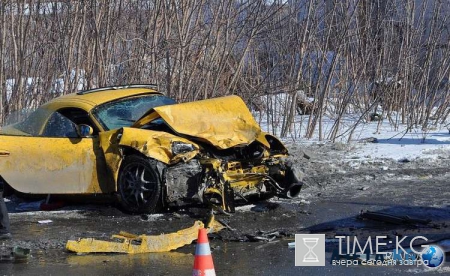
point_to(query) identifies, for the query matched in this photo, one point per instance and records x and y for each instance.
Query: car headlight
(180, 147)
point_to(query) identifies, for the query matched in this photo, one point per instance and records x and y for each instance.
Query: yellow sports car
(139, 144)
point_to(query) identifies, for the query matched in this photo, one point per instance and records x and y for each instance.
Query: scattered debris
(253, 238)
(226, 225)
(134, 244)
(262, 236)
(151, 217)
(14, 254)
(20, 253)
(378, 216)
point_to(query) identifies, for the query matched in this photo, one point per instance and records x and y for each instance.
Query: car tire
(139, 185)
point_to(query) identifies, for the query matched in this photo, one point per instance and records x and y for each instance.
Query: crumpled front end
(230, 157)
(220, 178)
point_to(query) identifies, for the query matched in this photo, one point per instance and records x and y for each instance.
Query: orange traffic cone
(203, 263)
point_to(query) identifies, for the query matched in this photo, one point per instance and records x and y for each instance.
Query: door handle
(4, 153)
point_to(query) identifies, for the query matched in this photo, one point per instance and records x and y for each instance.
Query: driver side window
(64, 122)
(60, 126)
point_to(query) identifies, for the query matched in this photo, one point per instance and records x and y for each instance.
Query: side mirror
(84, 130)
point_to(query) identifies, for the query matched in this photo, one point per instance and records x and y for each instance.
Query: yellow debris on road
(134, 244)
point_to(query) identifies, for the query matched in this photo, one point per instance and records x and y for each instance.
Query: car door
(53, 160)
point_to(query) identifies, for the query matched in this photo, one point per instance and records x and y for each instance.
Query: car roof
(89, 99)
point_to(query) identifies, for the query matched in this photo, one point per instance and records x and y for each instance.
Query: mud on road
(338, 186)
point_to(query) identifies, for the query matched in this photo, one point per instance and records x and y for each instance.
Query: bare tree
(346, 58)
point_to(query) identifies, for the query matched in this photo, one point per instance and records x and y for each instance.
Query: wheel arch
(130, 151)
(157, 168)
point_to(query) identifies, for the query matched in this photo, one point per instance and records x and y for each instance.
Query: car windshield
(124, 112)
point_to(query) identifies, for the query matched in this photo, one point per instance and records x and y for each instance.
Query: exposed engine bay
(222, 177)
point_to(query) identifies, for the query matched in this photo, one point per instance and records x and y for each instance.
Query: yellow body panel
(223, 122)
(156, 144)
(53, 165)
(153, 144)
(133, 244)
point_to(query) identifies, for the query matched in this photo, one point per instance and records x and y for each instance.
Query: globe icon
(433, 256)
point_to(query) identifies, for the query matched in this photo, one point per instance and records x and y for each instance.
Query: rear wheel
(139, 185)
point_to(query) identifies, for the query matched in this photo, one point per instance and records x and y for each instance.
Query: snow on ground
(391, 143)
(401, 145)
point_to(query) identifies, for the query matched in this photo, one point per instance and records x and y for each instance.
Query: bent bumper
(219, 182)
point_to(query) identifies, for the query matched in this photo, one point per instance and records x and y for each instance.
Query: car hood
(224, 122)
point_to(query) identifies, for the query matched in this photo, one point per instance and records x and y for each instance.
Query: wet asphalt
(331, 210)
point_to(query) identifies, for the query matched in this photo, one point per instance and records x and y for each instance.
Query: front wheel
(139, 185)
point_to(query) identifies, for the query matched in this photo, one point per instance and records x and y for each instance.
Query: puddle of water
(229, 259)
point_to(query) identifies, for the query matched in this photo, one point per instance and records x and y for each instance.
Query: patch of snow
(390, 142)
(400, 146)
(66, 213)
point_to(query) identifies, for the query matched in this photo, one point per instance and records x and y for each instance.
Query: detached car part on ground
(134, 244)
(152, 152)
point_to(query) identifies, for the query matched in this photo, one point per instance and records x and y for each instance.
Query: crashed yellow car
(139, 144)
